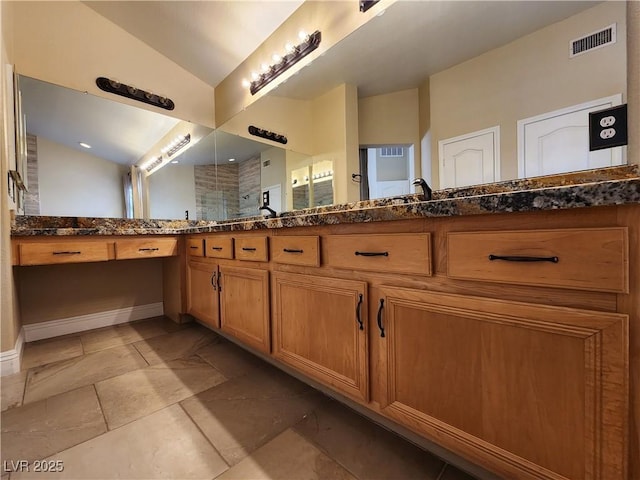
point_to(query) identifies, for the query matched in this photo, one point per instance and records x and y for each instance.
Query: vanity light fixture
(283, 62)
(113, 86)
(177, 143)
(367, 4)
(275, 137)
(152, 164)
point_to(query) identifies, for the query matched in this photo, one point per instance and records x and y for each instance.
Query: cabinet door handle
(67, 252)
(291, 250)
(148, 249)
(380, 317)
(219, 281)
(213, 280)
(517, 258)
(358, 311)
(216, 248)
(372, 254)
(249, 249)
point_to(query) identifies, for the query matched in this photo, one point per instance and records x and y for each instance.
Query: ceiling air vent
(599, 39)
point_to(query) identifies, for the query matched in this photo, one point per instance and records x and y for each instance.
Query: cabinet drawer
(251, 248)
(195, 247)
(63, 252)
(146, 247)
(583, 259)
(398, 253)
(296, 250)
(218, 247)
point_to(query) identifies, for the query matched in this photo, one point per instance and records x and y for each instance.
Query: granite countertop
(591, 188)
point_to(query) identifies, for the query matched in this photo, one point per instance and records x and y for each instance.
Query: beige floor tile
(229, 358)
(365, 449)
(288, 456)
(180, 344)
(164, 445)
(50, 350)
(40, 429)
(244, 413)
(121, 335)
(12, 390)
(63, 376)
(136, 394)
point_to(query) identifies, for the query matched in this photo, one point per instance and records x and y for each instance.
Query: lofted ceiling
(394, 51)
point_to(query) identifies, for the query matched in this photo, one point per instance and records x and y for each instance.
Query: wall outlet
(608, 128)
(265, 198)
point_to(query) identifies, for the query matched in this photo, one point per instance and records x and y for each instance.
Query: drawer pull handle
(249, 249)
(193, 247)
(517, 258)
(358, 309)
(67, 253)
(216, 248)
(372, 254)
(291, 250)
(148, 249)
(380, 317)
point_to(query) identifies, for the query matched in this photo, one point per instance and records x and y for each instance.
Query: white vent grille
(391, 151)
(599, 39)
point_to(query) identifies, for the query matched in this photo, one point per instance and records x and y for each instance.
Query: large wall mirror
(459, 93)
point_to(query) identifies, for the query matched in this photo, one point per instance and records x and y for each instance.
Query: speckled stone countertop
(591, 188)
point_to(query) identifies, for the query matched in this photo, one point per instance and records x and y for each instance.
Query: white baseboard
(11, 359)
(64, 326)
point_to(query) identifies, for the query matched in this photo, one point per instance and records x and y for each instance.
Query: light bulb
(255, 76)
(264, 67)
(289, 48)
(276, 58)
(245, 83)
(302, 35)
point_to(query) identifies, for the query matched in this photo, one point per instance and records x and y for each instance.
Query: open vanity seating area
(313, 240)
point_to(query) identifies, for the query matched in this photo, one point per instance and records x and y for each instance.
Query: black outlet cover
(265, 198)
(608, 128)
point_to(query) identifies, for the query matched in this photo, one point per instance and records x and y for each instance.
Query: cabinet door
(244, 305)
(530, 391)
(320, 329)
(202, 293)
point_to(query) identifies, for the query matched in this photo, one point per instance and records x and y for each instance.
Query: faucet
(272, 212)
(426, 190)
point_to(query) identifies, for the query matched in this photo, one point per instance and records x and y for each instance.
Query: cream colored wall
(424, 127)
(391, 119)
(633, 81)
(334, 19)
(289, 117)
(9, 314)
(69, 44)
(76, 183)
(51, 292)
(527, 77)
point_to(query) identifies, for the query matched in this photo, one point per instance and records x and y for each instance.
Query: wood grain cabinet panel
(320, 327)
(44, 253)
(195, 247)
(202, 288)
(296, 250)
(219, 246)
(253, 249)
(408, 253)
(529, 391)
(244, 305)
(146, 247)
(585, 258)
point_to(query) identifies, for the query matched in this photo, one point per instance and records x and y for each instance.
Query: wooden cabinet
(146, 247)
(244, 305)
(79, 251)
(320, 327)
(202, 292)
(529, 391)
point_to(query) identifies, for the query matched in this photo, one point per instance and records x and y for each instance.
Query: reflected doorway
(389, 171)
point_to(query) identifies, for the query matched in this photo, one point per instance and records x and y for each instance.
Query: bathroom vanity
(500, 323)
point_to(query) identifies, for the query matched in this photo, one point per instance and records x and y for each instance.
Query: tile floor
(153, 399)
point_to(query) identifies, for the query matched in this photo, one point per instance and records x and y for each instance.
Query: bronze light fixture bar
(113, 86)
(297, 53)
(274, 137)
(367, 4)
